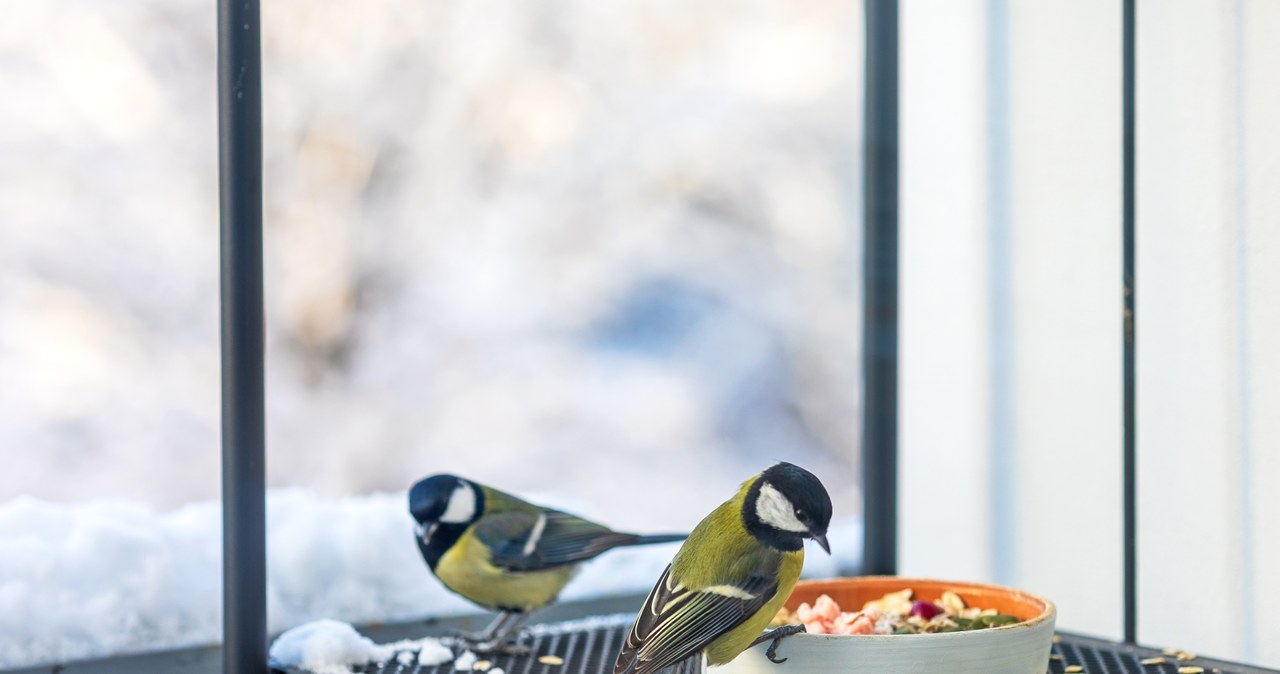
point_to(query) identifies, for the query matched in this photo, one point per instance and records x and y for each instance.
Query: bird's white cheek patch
(776, 510)
(462, 505)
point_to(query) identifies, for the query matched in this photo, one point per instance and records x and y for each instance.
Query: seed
(1153, 661)
(481, 666)
(952, 602)
(1191, 670)
(551, 660)
(1073, 668)
(1055, 656)
(1185, 656)
(1057, 639)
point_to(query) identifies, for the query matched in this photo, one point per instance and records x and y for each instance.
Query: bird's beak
(821, 539)
(425, 532)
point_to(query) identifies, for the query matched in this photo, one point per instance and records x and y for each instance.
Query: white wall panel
(1209, 385)
(1011, 377)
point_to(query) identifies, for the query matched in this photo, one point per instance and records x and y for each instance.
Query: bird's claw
(484, 644)
(499, 638)
(775, 637)
(468, 637)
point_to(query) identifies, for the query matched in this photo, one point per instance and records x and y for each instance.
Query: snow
(332, 647)
(433, 654)
(465, 661)
(95, 579)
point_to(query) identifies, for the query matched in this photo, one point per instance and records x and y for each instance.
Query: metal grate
(587, 646)
(1104, 657)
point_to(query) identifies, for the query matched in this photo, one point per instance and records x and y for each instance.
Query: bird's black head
(785, 505)
(443, 506)
(445, 498)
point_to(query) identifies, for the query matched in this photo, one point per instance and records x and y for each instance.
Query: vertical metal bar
(243, 418)
(880, 292)
(1128, 35)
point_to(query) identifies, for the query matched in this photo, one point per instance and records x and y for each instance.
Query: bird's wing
(677, 622)
(528, 541)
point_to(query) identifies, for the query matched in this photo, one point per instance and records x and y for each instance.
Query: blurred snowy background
(566, 246)
(596, 252)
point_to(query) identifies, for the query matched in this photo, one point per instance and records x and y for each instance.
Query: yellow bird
(502, 553)
(732, 575)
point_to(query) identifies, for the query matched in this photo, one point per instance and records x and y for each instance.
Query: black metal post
(880, 292)
(244, 593)
(1128, 35)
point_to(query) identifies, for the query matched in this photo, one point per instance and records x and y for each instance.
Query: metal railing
(880, 292)
(244, 558)
(1130, 497)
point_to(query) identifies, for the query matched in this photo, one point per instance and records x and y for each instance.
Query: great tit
(502, 553)
(733, 573)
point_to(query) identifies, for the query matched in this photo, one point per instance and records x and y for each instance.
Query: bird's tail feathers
(652, 539)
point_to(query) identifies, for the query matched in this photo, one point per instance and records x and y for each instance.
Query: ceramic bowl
(1022, 648)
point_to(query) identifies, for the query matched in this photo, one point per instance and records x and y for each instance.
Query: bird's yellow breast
(728, 645)
(467, 570)
(720, 550)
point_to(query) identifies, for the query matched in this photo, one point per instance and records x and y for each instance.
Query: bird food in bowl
(892, 625)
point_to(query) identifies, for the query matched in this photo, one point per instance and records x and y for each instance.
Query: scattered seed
(1185, 656)
(551, 660)
(481, 666)
(1055, 656)
(1073, 668)
(1057, 639)
(1153, 661)
(1191, 670)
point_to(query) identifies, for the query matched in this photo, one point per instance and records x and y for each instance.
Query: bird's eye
(799, 512)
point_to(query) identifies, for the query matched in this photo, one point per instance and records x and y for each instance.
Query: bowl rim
(1047, 615)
